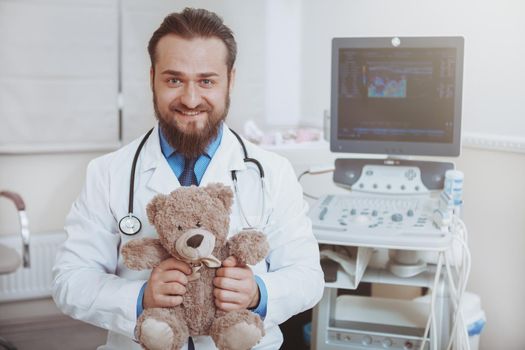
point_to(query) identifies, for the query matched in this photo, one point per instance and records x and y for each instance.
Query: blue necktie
(188, 178)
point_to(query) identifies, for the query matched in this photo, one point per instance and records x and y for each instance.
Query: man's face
(190, 90)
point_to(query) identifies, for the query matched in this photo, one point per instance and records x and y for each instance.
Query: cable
(460, 337)
(459, 327)
(431, 316)
(304, 193)
(315, 170)
(457, 283)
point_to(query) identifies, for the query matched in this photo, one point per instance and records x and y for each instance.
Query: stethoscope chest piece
(129, 225)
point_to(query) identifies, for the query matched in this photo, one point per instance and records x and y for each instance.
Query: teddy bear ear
(154, 206)
(221, 192)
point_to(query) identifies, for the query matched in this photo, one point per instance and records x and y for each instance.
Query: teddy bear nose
(195, 240)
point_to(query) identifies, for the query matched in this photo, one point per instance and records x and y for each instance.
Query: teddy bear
(192, 224)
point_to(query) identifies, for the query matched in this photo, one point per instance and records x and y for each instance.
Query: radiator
(34, 282)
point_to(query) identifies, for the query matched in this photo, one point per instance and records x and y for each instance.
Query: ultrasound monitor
(398, 96)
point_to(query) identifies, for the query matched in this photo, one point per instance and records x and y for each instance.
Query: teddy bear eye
(179, 228)
(198, 224)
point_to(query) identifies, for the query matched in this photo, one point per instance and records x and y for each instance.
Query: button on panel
(367, 340)
(397, 217)
(387, 342)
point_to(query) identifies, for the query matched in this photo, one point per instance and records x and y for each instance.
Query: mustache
(179, 107)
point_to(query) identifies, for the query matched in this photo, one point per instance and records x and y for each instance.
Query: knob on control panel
(387, 342)
(367, 340)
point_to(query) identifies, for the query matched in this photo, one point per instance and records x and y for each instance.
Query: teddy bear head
(192, 222)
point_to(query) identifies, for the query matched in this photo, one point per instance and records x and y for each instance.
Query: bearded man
(192, 74)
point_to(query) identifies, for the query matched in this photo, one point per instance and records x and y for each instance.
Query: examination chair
(10, 260)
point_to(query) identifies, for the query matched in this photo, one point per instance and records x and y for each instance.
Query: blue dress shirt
(176, 162)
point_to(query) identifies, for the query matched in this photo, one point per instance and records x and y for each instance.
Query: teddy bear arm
(145, 253)
(249, 247)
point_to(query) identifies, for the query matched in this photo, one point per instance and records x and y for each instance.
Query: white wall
(282, 88)
(494, 192)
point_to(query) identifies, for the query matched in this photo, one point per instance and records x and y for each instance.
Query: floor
(62, 332)
(59, 332)
(52, 333)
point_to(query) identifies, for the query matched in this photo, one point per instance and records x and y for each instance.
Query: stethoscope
(130, 224)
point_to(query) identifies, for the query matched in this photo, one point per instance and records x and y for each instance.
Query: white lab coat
(92, 284)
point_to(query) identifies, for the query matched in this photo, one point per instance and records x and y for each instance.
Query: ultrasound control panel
(341, 212)
(390, 204)
(394, 221)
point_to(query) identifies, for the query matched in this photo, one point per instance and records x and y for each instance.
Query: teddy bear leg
(237, 330)
(161, 329)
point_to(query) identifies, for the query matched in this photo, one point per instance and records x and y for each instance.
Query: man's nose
(190, 96)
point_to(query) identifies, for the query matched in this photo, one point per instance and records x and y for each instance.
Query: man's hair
(194, 23)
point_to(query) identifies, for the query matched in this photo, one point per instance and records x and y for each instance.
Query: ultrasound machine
(396, 97)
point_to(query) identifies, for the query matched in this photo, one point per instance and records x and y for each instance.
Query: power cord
(459, 338)
(316, 170)
(432, 316)
(457, 283)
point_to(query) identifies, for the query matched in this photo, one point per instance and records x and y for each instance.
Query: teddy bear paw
(241, 336)
(156, 335)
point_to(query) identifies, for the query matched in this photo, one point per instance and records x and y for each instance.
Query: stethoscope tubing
(133, 166)
(246, 158)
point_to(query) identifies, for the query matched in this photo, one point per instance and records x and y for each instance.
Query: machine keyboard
(343, 212)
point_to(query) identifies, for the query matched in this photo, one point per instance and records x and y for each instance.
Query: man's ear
(222, 193)
(232, 80)
(154, 206)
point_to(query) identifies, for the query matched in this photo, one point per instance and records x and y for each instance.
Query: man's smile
(190, 113)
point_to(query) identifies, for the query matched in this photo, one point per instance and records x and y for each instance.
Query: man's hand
(235, 286)
(166, 284)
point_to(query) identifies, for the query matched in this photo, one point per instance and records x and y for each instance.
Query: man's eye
(207, 82)
(174, 81)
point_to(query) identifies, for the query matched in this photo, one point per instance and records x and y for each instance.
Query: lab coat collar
(228, 157)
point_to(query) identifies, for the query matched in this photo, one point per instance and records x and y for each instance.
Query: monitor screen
(397, 96)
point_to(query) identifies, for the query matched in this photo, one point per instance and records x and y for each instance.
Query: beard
(192, 142)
